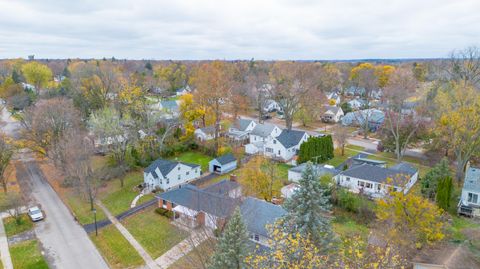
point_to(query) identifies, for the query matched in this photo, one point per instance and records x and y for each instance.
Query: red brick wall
(160, 203)
(201, 218)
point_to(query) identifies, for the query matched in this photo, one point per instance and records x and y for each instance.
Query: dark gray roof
(369, 161)
(208, 130)
(223, 187)
(257, 214)
(197, 199)
(290, 138)
(263, 130)
(242, 124)
(378, 174)
(169, 105)
(165, 166)
(321, 170)
(333, 109)
(227, 158)
(405, 167)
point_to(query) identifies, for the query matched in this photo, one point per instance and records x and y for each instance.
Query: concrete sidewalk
(4, 251)
(181, 249)
(141, 251)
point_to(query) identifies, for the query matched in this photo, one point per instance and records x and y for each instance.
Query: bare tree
(79, 164)
(341, 134)
(13, 204)
(6, 153)
(291, 82)
(464, 66)
(401, 86)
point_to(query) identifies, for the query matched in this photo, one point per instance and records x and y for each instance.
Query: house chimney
(233, 177)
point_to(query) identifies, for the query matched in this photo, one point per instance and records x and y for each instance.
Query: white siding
(180, 175)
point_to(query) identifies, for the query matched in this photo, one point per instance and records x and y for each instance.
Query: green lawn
(195, 158)
(116, 249)
(26, 255)
(349, 227)
(12, 228)
(81, 209)
(153, 232)
(118, 199)
(338, 159)
(458, 225)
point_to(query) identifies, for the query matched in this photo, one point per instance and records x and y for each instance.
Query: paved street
(65, 242)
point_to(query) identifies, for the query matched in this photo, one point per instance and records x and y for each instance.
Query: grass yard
(12, 228)
(339, 159)
(154, 232)
(349, 227)
(195, 158)
(26, 255)
(116, 249)
(458, 225)
(81, 209)
(118, 199)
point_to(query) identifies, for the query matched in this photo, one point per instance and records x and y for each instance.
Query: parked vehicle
(35, 213)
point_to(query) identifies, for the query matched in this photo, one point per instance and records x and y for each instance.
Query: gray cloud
(208, 29)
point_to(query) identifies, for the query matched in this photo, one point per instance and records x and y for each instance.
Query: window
(256, 237)
(361, 183)
(348, 179)
(179, 168)
(368, 185)
(278, 152)
(188, 173)
(472, 198)
(168, 181)
(269, 150)
(379, 187)
(274, 141)
(196, 170)
(178, 177)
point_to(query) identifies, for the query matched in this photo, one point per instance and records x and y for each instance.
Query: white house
(223, 164)
(260, 136)
(286, 145)
(295, 173)
(357, 103)
(205, 133)
(167, 174)
(183, 91)
(470, 200)
(332, 114)
(240, 129)
(272, 106)
(377, 181)
(334, 96)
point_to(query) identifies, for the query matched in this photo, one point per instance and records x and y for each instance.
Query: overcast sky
(241, 29)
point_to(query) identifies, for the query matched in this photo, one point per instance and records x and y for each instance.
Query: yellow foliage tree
(190, 112)
(37, 74)
(383, 74)
(288, 251)
(258, 177)
(410, 220)
(132, 100)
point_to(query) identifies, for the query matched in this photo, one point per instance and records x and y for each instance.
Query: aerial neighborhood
(137, 161)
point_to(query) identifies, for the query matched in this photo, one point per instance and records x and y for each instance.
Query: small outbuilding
(223, 164)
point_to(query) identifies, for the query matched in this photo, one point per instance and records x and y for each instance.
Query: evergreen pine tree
(231, 248)
(431, 180)
(444, 193)
(306, 209)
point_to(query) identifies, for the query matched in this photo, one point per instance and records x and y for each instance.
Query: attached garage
(223, 164)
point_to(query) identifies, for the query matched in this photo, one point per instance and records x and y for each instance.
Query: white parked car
(35, 213)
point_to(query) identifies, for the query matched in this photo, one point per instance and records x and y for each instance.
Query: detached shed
(223, 164)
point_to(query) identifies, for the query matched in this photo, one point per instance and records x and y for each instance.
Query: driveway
(65, 242)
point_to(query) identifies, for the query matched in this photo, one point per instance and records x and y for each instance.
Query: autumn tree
(291, 84)
(173, 76)
(409, 221)
(429, 182)
(258, 89)
(365, 76)
(419, 71)
(6, 153)
(132, 101)
(258, 178)
(214, 82)
(190, 113)
(288, 250)
(383, 74)
(12, 204)
(458, 118)
(464, 66)
(330, 77)
(37, 74)
(232, 247)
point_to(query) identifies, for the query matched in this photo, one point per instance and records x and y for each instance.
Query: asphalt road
(65, 242)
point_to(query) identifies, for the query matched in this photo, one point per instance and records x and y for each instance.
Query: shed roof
(226, 158)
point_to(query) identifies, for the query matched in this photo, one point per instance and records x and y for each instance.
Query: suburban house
(165, 174)
(377, 181)
(285, 146)
(332, 114)
(241, 129)
(470, 200)
(205, 133)
(295, 173)
(223, 164)
(212, 206)
(334, 96)
(272, 106)
(374, 118)
(357, 103)
(355, 91)
(257, 215)
(183, 91)
(259, 136)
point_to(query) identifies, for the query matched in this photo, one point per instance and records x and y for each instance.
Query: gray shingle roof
(223, 187)
(169, 105)
(165, 166)
(197, 199)
(379, 174)
(257, 214)
(290, 138)
(242, 124)
(472, 179)
(227, 158)
(321, 170)
(333, 109)
(208, 130)
(263, 130)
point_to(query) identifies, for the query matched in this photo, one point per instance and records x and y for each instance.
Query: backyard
(195, 158)
(27, 255)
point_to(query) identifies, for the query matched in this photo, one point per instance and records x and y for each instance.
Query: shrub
(164, 212)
